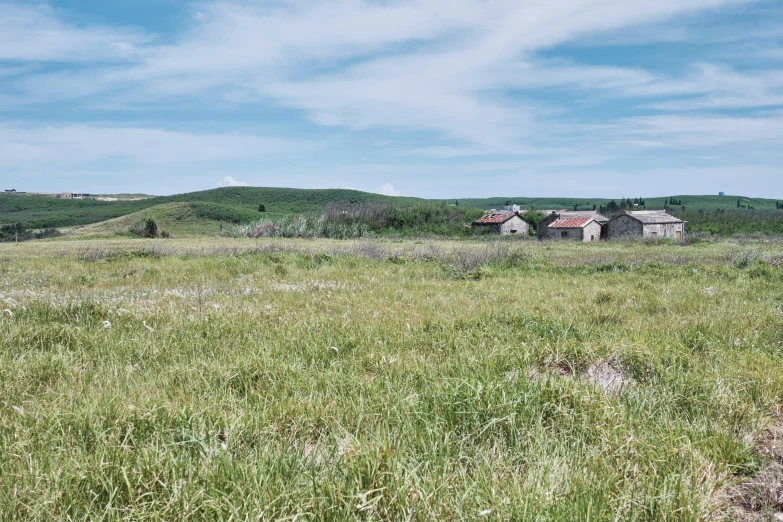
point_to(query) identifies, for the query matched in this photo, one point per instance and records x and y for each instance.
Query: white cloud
(387, 189)
(228, 181)
(36, 33)
(34, 145)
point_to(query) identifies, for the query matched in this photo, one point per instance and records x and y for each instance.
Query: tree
(261, 208)
(739, 203)
(593, 207)
(456, 203)
(576, 207)
(612, 206)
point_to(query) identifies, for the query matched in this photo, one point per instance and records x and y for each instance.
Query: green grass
(181, 219)
(379, 380)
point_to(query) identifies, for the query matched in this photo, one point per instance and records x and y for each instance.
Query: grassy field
(381, 380)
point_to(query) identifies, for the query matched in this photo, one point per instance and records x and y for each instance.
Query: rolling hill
(179, 218)
(49, 212)
(241, 204)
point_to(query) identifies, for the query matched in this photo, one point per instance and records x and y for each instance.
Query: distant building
(10, 190)
(648, 224)
(513, 208)
(721, 193)
(71, 195)
(555, 215)
(574, 229)
(504, 223)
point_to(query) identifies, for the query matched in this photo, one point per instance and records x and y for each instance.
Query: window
(564, 233)
(513, 231)
(679, 235)
(592, 238)
(655, 235)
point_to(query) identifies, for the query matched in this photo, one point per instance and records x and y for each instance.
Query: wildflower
(107, 324)
(484, 512)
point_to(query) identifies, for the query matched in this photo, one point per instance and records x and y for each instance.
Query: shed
(574, 229)
(555, 215)
(504, 223)
(648, 224)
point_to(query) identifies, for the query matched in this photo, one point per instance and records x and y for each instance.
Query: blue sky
(430, 98)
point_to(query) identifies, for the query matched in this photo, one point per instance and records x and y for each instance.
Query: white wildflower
(484, 512)
(107, 324)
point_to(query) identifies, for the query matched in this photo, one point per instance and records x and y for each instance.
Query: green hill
(50, 212)
(181, 219)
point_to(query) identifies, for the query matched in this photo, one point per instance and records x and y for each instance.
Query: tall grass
(373, 380)
(302, 227)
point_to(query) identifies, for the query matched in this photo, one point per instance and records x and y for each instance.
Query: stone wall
(623, 226)
(516, 225)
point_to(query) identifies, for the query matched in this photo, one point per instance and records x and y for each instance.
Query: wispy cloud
(75, 144)
(441, 81)
(37, 33)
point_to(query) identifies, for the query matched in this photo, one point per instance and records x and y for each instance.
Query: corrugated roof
(583, 214)
(571, 222)
(494, 219)
(653, 217)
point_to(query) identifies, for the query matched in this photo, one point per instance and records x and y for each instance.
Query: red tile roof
(571, 223)
(494, 219)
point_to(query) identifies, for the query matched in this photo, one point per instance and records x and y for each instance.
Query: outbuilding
(504, 223)
(647, 224)
(553, 216)
(574, 229)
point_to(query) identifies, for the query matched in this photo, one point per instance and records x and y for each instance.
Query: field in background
(393, 380)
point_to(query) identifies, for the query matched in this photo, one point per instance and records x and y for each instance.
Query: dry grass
(377, 380)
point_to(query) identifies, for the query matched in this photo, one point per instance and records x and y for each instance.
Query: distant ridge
(45, 212)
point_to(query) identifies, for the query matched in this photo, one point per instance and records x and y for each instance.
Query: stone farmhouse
(574, 229)
(648, 224)
(504, 222)
(553, 216)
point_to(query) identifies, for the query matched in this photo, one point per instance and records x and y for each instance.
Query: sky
(427, 98)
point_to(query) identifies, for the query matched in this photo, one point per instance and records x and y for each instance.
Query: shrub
(145, 228)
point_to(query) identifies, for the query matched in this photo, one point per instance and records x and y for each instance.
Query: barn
(555, 215)
(503, 223)
(574, 229)
(648, 224)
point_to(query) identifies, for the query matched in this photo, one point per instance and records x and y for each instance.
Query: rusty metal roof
(571, 222)
(495, 219)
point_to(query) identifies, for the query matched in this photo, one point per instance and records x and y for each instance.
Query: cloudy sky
(430, 98)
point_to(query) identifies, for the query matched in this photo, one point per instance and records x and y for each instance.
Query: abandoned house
(648, 224)
(553, 216)
(574, 229)
(504, 223)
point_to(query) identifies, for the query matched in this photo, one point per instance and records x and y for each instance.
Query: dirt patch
(760, 498)
(608, 376)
